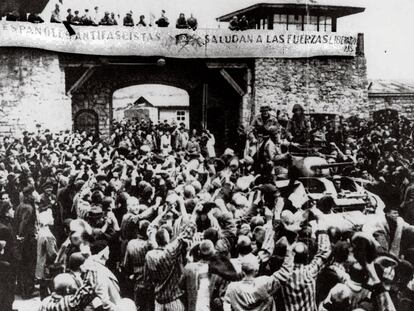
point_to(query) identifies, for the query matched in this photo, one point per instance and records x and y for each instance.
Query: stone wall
(404, 104)
(321, 85)
(32, 91)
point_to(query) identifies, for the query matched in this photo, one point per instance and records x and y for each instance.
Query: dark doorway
(87, 121)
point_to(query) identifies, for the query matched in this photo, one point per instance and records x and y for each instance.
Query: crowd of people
(153, 219)
(107, 18)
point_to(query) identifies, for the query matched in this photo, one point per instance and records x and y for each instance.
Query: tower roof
(312, 7)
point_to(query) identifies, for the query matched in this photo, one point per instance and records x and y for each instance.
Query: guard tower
(324, 85)
(299, 15)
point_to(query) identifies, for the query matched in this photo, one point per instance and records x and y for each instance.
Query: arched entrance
(86, 120)
(217, 95)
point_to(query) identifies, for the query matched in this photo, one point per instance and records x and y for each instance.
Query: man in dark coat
(192, 22)
(163, 20)
(128, 21)
(8, 256)
(25, 221)
(181, 22)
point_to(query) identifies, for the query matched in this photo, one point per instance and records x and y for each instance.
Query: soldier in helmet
(298, 127)
(263, 124)
(263, 128)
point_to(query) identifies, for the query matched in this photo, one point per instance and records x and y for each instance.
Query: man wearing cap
(256, 293)
(128, 21)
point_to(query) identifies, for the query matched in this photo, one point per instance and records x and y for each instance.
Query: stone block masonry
(321, 85)
(32, 91)
(33, 88)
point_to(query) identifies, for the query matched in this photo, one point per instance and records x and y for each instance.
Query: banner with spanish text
(176, 43)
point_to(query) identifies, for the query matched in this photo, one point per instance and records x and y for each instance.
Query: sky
(389, 44)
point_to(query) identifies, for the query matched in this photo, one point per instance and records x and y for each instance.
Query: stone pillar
(247, 100)
(32, 91)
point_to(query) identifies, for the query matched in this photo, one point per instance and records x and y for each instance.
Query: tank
(313, 180)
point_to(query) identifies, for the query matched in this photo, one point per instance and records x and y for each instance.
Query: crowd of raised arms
(151, 218)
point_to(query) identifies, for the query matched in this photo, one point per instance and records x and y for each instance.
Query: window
(311, 23)
(280, 22)
(325, 23)
(295, 22)
(180, 115)
(264, 23)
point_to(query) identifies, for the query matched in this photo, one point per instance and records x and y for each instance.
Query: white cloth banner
(176, 43)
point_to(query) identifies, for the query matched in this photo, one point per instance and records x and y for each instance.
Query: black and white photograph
(220, 155)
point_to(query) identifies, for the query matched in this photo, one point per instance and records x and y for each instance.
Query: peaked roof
(142, 101)
(318, 7)
(139, 103)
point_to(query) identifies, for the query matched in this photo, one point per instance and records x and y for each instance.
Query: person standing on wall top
(35, 18)
(234, 23)
(192, 22)
(142, 22)
(69, 17)
(181, 22)
(55, 17)
(163, 20)
(75, 20)
(128, 21)
(243, 23)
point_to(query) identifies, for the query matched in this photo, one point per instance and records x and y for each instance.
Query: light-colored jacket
(107, 288)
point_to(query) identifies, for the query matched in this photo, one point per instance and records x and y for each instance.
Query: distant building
(397, 96)
(143, 110)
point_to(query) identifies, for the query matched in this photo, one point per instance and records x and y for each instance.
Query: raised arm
(282, 275)
(324, 247)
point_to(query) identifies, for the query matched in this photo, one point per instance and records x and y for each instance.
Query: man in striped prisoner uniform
(164, 266)
(66, 296)
(299, 292)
